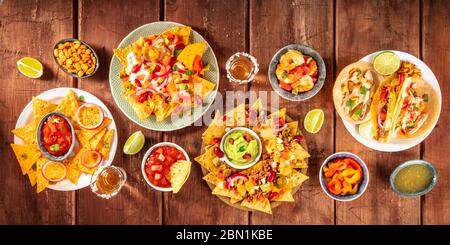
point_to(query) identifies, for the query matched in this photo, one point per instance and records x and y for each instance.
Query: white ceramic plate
(55, 96)
(399, 144)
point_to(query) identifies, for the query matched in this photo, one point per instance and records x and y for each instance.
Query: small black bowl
(85, 44)
(49, 156)
(304, 50)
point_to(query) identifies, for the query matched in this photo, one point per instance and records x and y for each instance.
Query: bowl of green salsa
(241, 147)
(413, 178)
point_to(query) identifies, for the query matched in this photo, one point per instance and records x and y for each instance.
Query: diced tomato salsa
(56, 135)
(159, 162)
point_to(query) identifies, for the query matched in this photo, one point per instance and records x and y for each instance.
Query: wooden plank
(363, 28)
(436, 54)
(222, 24)
(275, 24)
(103, 24)
(29, 28)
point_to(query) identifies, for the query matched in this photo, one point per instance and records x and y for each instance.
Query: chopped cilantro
(189, 73)
(242, 149)
(425, 97)
(410, 125)
(151, 69)
(175, 68)
(177, 52)
(415, 107)
(81, 98)
(186, 86)
(363, 90)
(284, 75)
(54, 147)
(350, 103)
(415, 94)
(105, 145)
(357, 113)
(55, 120)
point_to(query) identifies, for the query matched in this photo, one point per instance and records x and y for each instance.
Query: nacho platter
(49, 101)
(149, 88)
(394, 144)
(298, 173)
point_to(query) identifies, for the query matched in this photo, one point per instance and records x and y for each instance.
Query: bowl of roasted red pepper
(344, 176)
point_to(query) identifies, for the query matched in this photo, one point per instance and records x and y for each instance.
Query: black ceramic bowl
(304, 50)
(49, 156)
(85, 44)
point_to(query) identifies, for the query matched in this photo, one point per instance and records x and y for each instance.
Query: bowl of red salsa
(157, 162)
(56, 136)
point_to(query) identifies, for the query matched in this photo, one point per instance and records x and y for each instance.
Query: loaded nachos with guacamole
(92, 141)
(164, 74)
(279, 171)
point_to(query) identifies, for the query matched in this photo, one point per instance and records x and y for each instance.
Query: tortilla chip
(27, 133)
(234, 200)
(106, 144)
(263, 206)
(81, 139)
(121, 54)
(285, 196)
(300, 163)
(97, 139)
(73, 172)
(143, 110)
(69, 105)
(297, 178)
(183, 31)
(26, 156)
(215, 130)
(280, 114)
(298, 151)
(293, 128)
(212, 178)
(178, 174)
(188, 54)
(41, 108)
(42, 183)
(206, 160)
(220, 191)
(257, 105)
(32, 175)
(236, 116)
(202, 86)
(89, 133)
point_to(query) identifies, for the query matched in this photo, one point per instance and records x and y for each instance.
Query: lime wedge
(30, 67)
(313, 121)
(134, 143)
(386, 63)
(365, 130)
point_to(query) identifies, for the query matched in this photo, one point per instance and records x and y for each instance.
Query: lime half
(313, 121)
(365, 130)
(30, 67)
(134, 143)
(386, 63)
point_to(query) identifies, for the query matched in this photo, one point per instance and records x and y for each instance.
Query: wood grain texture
(222, 24)
(363, 28)
(436, 54)
(273, 25)
(29, 28)
(103, 24)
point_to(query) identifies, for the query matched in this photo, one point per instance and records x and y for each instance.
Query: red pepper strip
(285, 86)
(197, 66)
(335, 187)
(355, 165)
(401, 77)
(333, 167)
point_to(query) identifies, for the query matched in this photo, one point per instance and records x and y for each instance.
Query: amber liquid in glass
(241, 68)
(108, 181)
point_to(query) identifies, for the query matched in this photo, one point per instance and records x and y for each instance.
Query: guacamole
(241, 147)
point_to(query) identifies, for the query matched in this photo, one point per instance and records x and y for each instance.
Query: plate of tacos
(268, 152)
(61, 137)
(164, 76)
(388, 112)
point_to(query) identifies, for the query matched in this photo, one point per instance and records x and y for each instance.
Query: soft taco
(416, 110)
(383, 107)
(353, 91)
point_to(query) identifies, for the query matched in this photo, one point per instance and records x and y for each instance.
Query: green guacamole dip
(241, 149)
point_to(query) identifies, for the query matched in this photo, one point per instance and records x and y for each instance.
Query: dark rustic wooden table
(342, 31)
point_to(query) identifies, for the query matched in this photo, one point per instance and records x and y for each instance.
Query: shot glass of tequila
(107, 181)
(241, 68)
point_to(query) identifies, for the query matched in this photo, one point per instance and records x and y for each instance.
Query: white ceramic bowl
(250, 164)
(147, 154)
(362, 186)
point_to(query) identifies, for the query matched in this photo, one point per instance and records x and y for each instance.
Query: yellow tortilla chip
(293, 128)
(183, 31)
(206, 160)
(202, 86)
(32, 175)
(297, 178)
(27, 133)
(234, 200)
(97, 139)
(215, 130)
(188, 54)
(73, 172)
(76, 161)
(298, 151)
(211, 178)
(89, 133)
(143, 110)
(221, 191)
(81, 139)
(106, 144)
(26, 156)
(42, 183)
(69, 105)
(178, 174)
(121, 54)
(236, 116)
(280, 114)
(263, 206)
(41, 108)
(285, 196)
(300, 163)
